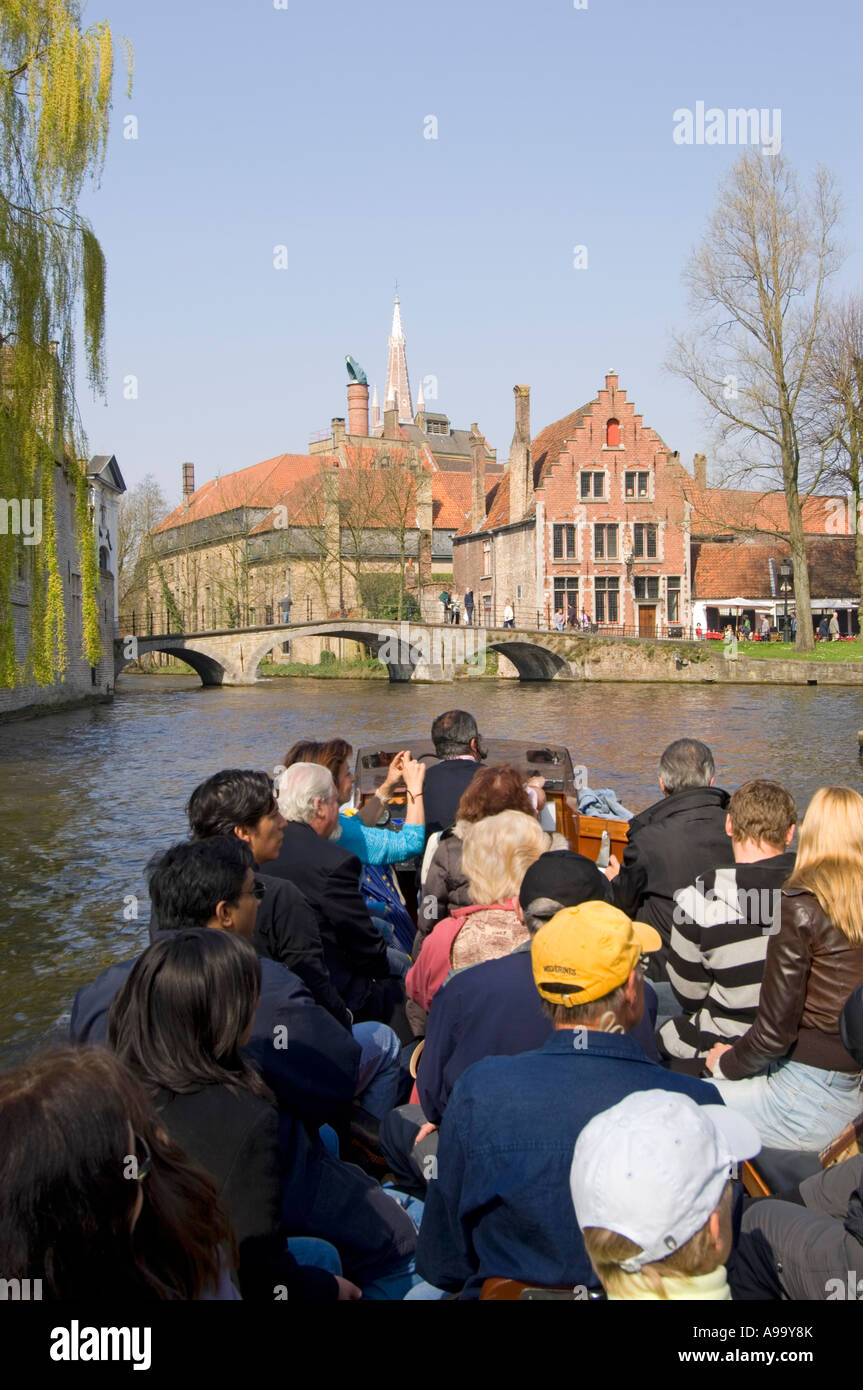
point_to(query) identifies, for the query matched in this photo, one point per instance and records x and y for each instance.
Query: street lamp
(786, 582)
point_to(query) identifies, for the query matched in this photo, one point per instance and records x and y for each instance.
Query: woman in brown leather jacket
(790, 1074)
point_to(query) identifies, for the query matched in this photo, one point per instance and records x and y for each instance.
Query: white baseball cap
(653, 1168)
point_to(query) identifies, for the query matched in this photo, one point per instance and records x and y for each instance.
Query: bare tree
(838, 396)
(140, 510)
(757, 286)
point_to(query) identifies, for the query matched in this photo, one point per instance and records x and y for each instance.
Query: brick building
(309, 533)
(597, 518)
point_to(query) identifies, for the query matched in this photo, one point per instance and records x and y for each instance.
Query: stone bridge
(428, 651)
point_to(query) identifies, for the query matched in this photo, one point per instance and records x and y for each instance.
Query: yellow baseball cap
(592, 948)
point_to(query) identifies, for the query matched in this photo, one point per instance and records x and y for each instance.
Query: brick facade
(599, 522)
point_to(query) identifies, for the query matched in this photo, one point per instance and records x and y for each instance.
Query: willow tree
(55, 95)
(757, 285)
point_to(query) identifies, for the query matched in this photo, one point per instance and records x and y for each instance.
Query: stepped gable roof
(259, 486)
(545, 450)
(736, 510)
(741, 569)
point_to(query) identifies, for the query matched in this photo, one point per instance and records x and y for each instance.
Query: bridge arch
(532, 661)
(211, 670)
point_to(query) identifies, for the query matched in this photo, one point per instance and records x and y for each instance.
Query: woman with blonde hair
(500, 787)
(790, 1074)
(497, 852)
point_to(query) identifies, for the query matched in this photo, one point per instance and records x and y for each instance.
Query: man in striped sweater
(722, 923)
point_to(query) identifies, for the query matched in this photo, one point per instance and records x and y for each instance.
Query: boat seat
(780, 1171)
(515, 1291)
(774, 1171)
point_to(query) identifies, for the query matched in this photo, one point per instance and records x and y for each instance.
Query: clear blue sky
(303, 127)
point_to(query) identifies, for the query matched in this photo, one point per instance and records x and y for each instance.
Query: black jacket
(309, 1062)
(442, 790)
(329, 877)
(286, 930)
(670, 844)
(234, 1135)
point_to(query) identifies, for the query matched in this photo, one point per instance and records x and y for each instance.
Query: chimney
(520, 468)
(699, 471)
(611, 381)
(425, 524)
(391, 420)
(376, 410)
(188, 480)
(358, 408)
(337, 425)
(477, 474)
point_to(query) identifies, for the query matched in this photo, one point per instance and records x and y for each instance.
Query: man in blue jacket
(492, 1010)
(498, 1200)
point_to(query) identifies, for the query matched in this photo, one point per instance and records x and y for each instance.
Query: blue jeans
(399, 962)
(396, 1283)
(378, 1079)
(307, 1250)
(794, 1106)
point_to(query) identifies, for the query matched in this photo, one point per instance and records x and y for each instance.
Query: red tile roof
(741, 569)
(259, 486)
(729, 510)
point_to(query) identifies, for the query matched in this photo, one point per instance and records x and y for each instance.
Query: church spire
(398, 386)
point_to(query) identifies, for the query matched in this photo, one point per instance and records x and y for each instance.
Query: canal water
(87, 797)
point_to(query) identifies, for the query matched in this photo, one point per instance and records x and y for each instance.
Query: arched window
(612, 434)
(103, 557)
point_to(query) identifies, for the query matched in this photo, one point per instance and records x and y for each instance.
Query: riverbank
(786, 651)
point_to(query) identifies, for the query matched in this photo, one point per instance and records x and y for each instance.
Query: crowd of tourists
(539, 1074)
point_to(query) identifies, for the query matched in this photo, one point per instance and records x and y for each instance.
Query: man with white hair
(329, 877)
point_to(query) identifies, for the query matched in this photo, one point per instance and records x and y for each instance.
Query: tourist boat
(562, 782)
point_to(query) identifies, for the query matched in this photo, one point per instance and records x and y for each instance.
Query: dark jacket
(445, 886)
(670, 845)
(810, 971)
(309, 1062)
(234, 1135)
(286, 930)
(354, 949)
(500, 1204)
(311, 1065)
(491, 1010)
(442, 790)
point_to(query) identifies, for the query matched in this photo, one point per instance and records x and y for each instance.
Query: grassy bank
(786, 651)
(366, 669)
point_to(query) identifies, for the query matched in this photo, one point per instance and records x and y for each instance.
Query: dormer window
(612, 434)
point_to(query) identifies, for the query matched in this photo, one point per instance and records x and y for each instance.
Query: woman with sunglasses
(98, 1202)
(179, 1022)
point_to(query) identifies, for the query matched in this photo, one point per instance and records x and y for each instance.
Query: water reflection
(87, 797)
